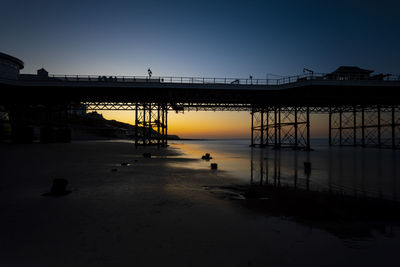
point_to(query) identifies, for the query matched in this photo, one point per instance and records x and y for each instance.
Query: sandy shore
(150, 213)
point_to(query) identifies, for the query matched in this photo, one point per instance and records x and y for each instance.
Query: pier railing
(203, 80)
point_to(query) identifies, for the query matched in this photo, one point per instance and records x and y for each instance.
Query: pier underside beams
(374, 125)
(151, 124)
(281, 127)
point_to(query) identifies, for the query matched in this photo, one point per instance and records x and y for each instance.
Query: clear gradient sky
(201, 38)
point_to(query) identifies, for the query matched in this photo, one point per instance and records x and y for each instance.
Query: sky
(264, 39)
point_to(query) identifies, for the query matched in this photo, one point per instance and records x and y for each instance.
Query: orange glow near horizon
(197, 124)
(209, 124)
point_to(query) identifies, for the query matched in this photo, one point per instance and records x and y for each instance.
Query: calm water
(354, 171)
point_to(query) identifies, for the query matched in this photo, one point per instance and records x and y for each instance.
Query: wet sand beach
(153, 212)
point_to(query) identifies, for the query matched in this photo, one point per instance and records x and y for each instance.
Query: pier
(363, 109)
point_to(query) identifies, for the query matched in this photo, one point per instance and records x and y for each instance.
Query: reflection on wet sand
(341, 173)
(265, 168)
(342, 211)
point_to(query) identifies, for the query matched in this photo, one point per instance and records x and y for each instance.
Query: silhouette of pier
(363, 108)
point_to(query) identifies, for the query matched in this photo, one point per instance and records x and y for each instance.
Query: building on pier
(347, 73)
(10, 67)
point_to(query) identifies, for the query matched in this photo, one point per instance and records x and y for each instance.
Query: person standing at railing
(149, 72)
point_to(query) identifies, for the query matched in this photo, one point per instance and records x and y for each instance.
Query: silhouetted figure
(149, 72)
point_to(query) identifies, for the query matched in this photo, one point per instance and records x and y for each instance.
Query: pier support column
(340, 126)
(365, 125)
(150, 127)
(275, 128)
(150, 124)
(144, 126)
(379, 126)
(262, 128)
(354, 126)
(308, 145)
(267, 128)
(252, 128)
(136, 124)
(281, 127)
(166, 125)
(330, 126)
(158, 125)
(296, 141)
(362, 126)
(393, 128)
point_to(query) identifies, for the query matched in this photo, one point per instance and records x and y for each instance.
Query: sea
(355, 171)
